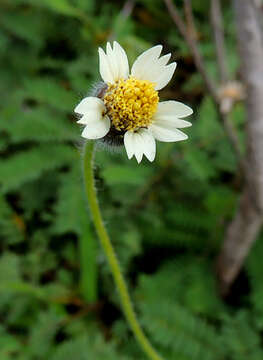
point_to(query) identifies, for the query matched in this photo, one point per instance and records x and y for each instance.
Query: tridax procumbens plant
(125, 110)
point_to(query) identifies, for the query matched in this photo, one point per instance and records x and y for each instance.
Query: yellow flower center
(131, 103)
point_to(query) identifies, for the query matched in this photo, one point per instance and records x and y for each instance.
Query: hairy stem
(88, 265)
(110, 253)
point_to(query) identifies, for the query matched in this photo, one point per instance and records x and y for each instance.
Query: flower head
(126, 107)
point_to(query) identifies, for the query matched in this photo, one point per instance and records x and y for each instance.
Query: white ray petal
(90, 117)
(163, 60)
(172, 107)
(138, 152)
(140, 143)
(114, 64)
(165, 76)
(129, 144)
(113, 61)
(145, 61)
(97, 129)
(166, 134)
(105, 68)
(149, 66)
(149, 144)
(171, 121)
(123, 64)
(88, 104)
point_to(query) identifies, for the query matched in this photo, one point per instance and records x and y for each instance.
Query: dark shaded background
(166, 219)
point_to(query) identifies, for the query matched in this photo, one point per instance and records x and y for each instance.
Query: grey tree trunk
(244, 229)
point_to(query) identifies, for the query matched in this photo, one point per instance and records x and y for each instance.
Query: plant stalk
(110, 254)
(88, 265)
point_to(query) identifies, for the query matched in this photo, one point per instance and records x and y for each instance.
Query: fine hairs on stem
(127, 306)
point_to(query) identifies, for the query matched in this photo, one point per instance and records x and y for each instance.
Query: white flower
(128, 106)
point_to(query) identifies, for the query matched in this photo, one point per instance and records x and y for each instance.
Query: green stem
(111, 256)
(88, 265)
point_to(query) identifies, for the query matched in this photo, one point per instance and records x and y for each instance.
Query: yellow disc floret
(131, 103)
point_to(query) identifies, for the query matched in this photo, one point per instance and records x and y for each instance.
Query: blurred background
(167, 219)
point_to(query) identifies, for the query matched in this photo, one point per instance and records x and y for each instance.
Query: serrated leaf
(31, 164)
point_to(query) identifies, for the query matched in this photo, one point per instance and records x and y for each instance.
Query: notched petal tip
(163, 60)
(158, 49)
(104, 67)
(101, 51)
(128, 143)
(117, 45)
(183, 124)
(81, 121)
(96, 129)
(140, 143)
(143, 66)
(114, 63)
(139, 158)
(165, 75)
(151, 66)
(190, 111)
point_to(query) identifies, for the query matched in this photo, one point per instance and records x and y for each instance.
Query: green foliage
(30, 164)
(166, 219)
(241, 338)
(85, 348)
(168, 315)
(11, 224)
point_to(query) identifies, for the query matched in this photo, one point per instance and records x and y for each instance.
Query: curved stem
(111, 256)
